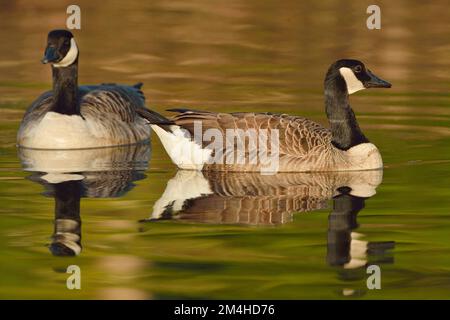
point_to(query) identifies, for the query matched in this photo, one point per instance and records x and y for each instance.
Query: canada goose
(252, 198)
(100, 173)
(73, 117)
(303, 145)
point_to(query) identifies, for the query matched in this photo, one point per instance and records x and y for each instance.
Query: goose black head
(61, 50)
(355, 76)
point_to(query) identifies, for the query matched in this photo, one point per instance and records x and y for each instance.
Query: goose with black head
(304, 145)
(76, 117)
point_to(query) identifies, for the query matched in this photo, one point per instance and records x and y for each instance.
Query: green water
(234, 56)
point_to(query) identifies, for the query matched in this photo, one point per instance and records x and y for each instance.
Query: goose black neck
(67, 200)
(341, 223)
(344, 127)
(65, 90)
(67, 231)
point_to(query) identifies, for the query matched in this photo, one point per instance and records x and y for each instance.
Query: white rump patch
(352, 82)
(70, 57)
(182, 149)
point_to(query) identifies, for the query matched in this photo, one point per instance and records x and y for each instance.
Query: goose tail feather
(154, 117)
(138, 85)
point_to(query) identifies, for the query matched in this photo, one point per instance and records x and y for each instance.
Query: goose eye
(358, 69)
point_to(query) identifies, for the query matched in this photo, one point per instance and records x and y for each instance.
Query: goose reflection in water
(69, 175)
(254, 199)
(348, 250)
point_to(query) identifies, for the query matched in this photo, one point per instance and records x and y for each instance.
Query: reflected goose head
(61, 50)
(352, 75)
(66, 241)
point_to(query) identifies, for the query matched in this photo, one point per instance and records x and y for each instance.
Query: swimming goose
(75, 117)
(301, 144)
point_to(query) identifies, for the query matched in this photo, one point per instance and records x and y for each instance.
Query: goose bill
(375, 82)
(50, 55)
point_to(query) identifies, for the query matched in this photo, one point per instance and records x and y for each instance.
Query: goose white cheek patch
(70, 57)
(352, 82)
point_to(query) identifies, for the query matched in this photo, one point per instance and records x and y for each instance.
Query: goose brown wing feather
(297, 136)
(106, 100)
(38, 108)
(112, 100)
